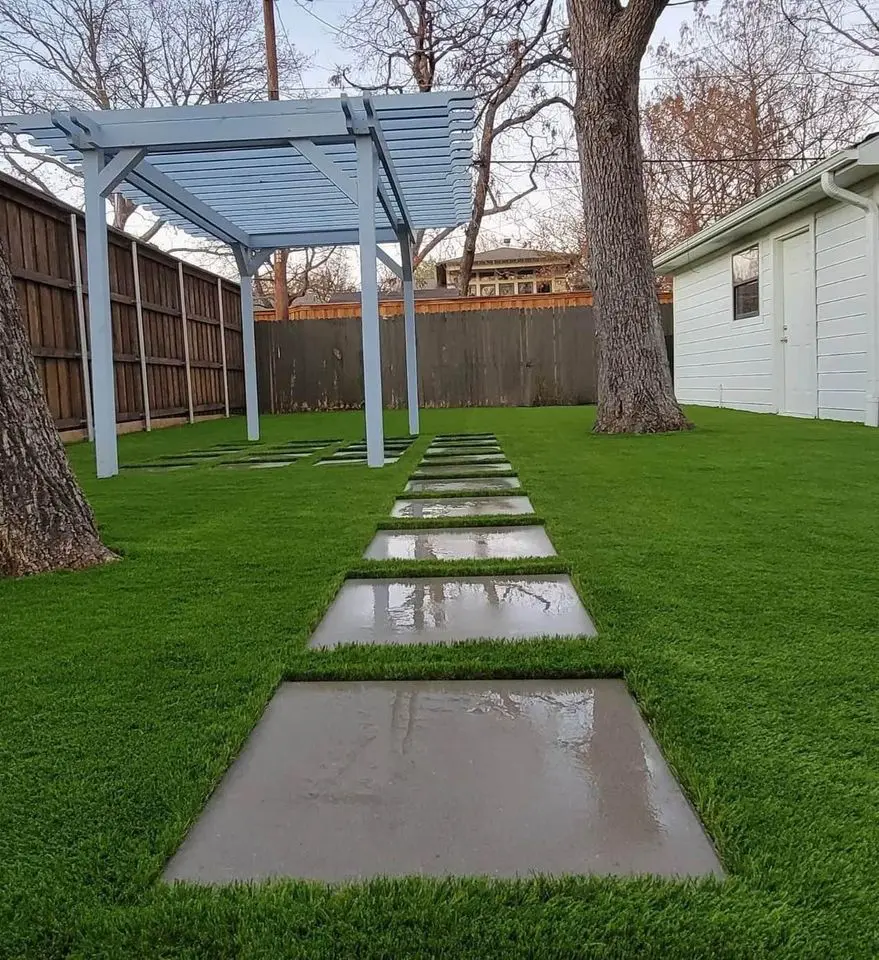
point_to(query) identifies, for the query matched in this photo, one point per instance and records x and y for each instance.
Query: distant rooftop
(424, 293)
(507, 254)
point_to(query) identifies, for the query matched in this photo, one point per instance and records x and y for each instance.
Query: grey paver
(357, 461)
(432, 469)
(462, 507)
(476, 484)
(352, 780)
(447, 610)
(467, 458)
(461, 543)
(259, 464)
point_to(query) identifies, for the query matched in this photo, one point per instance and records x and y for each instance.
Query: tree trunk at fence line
(45, 522)
(635, 390)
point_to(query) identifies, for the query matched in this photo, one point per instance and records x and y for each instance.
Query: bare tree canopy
(746, 102)
(608, 42)
(110, 54)
(45, 522)
(506, 53)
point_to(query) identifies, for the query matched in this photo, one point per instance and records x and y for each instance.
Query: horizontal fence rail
(176, 328)
(527, 356)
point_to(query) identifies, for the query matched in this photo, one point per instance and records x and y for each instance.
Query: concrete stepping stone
(259, 464)
(194, 455)
(465, 458)
(500, 778)
(356, 461)
(456, 469)
(439, 610)
(462, 507)
(440, 453)
(461, 543)
(154, 467)
(476, 484)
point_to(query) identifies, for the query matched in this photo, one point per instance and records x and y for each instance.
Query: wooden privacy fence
(176, 328)
(525, 356)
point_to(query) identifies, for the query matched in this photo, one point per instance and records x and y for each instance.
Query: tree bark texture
(45, 522)
(635, 390)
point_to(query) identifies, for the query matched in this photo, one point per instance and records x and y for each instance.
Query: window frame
(737, 284)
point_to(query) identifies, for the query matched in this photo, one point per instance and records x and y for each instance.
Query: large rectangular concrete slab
(504, 778)
(462, 507)
(461, 543)
(431, 610)
(476, 484)
(469, 459)
(432, 469)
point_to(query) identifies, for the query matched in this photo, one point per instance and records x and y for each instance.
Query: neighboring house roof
(516, 255)
(421, 293)
(849, 167)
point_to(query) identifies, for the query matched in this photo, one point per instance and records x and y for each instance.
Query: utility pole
(279, 261)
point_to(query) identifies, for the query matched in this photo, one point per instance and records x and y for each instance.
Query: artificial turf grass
(732, 571)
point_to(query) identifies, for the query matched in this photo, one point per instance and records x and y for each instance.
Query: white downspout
(871, 258)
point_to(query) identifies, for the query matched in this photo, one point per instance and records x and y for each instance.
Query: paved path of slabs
(504, 778)
(238, 455)
(355, 453)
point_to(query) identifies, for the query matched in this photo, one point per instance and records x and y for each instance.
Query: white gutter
(871, 273)
(689, 249)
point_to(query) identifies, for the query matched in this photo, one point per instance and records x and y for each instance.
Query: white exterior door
(798, 326)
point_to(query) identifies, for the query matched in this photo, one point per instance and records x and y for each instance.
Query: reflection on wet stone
(462, 507)
(436, 610)
(460, 544)
(500, 778)
(440, 484)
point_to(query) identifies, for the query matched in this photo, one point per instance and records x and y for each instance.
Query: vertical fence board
(38, 236)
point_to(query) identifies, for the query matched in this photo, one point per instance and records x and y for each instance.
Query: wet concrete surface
(259, 464)
(504, 778)
(462, 507)
(442, 484)
(357, 461)
(461, 544)
(462, 451)
(431, 469)
(466, 459)
(435, 610)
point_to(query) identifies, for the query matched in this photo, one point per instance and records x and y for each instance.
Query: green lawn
(733, 575)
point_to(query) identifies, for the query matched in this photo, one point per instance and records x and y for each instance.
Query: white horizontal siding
(718, 361)
(840, 294)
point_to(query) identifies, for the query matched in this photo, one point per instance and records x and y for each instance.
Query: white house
(775, 305)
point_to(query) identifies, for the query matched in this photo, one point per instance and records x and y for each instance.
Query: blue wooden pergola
(266, 176)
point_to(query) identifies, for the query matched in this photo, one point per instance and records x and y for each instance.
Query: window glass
(526, 288)
(487, 290)
(506, 288)
(746, 265)
(746, 283)
(544, 286)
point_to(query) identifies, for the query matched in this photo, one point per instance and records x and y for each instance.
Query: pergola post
(409, 327)
(248, 343)
(370, 331)
(100, 320)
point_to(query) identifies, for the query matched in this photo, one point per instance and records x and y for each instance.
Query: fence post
(141, 340)
(185, 341)
(80, 316)
(223, 345)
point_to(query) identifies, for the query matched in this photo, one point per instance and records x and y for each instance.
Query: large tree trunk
(635, 391)
(45, 522)
(281, 290)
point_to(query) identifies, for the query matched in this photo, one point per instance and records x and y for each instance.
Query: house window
(505, 289)
(544, 286)
(487, 290)
(471, 290)
(526, 288)
(746, 283)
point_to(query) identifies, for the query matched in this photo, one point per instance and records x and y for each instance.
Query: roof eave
(780, 202)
